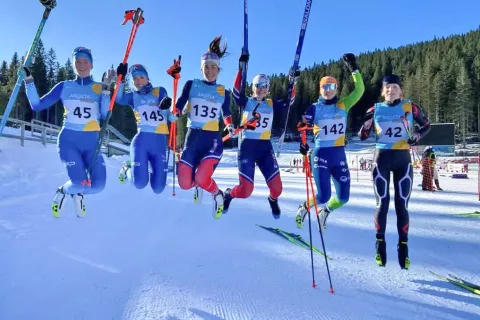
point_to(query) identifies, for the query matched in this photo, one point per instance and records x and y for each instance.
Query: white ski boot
(79, 205)
(197, 195)
(301, 214)
(217, 209)
(58, 204)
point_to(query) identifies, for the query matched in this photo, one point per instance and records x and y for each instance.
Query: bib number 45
(82, 112)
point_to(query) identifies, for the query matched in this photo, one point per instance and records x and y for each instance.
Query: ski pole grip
(138, 15)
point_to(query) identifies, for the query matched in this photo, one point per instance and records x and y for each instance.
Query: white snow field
(141, 256)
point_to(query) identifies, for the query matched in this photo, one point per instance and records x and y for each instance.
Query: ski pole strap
(136, 16)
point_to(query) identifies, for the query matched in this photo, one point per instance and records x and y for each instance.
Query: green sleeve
(350, 100)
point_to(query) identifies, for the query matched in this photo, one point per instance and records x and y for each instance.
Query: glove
(28, 75)
(166, 103)
(122, 70)
(244, 57)
(108, 78)
(231, 130)
(294, 73)
(175, 69)
(368, 124)
(414, 139)
(350, 61)
(49, 4)
(304, 148)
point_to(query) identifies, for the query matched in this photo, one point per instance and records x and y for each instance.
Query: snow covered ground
(137, 255)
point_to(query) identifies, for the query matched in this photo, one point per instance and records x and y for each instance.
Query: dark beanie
(393, 78)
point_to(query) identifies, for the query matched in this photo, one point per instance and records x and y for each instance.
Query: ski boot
(217, 204)
(275, 207)
(127, 165)
(197, 195)
(58, 204)
(381, 256)
(322, 218)
(301, 214)
(79, 205)
(227, 198)
(403, 259)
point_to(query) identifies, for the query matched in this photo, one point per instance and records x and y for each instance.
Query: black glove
(294, 73)
(304, 148)
(413, 141)
(244, 58)
(28, 75)
(166, 103)
(122, 69)
(49, 4)
(350, 61)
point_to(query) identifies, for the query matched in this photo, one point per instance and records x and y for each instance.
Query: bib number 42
(394, 132)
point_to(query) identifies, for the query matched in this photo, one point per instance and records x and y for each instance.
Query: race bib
(81, 111)
(390, 132)
(150, 116)
(331, 129)
(203, 111)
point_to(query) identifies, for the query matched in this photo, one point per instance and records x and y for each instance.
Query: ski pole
(303, 130)
(136, 16)
(28, 60)
(173, 128)
(291, 78)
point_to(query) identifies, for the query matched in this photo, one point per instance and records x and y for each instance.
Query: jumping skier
(392, 154)
(85, 101)
(149, 146)
(329, 120)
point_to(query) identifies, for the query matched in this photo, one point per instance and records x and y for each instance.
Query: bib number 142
(335, 129)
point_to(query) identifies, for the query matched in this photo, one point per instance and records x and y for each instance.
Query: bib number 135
(205, 111)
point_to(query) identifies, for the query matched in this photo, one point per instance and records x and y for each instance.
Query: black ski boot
(227, 198)
(403, 259)
(381, 256)
(275, 208)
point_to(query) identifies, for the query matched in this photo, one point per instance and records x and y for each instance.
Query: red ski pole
(303, 129)
(174, 71)
(136, 16)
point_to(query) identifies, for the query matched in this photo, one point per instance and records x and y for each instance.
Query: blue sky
(186, 27)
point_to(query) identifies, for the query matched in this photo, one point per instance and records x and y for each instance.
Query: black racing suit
(399, 163)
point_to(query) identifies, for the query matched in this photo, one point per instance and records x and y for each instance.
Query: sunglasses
(262, 85)
(82, 50)
(329, 86)
(210, 56)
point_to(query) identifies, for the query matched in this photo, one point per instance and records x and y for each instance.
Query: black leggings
(398, 162)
